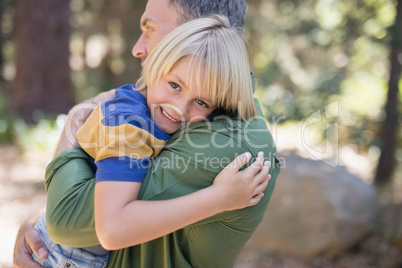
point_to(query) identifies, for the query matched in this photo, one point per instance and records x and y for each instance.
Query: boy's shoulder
(129, 92)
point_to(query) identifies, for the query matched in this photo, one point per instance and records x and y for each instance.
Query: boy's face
(174, 101)
(157, 21)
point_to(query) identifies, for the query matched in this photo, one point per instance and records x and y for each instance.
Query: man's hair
(188, 10)
(214, 47)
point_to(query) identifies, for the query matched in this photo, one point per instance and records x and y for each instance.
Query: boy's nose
(184, 107)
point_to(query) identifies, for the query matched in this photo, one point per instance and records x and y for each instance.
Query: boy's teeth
(174, 120)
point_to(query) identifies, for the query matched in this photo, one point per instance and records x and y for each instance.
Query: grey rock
(316, 209)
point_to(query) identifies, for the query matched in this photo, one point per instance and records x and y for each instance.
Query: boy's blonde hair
(209, 43)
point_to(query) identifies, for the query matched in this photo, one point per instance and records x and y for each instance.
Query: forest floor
(22, 196)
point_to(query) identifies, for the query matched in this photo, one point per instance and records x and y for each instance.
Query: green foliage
(6, 122)
(43, 136)
(309, 53)
(104, 33)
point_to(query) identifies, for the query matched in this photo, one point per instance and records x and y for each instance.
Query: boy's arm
(121, 222)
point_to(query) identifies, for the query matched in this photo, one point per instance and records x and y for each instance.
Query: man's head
(188, 10)
(163, 16)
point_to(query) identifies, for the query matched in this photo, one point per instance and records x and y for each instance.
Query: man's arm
(28, 240)
(70, 183)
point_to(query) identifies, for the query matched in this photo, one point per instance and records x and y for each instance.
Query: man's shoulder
(226, 135)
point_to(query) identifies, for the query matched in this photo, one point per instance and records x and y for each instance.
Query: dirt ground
(22, 196)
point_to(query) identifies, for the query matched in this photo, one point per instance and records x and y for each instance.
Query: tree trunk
(389, 129)
(1, 43)
(42, 81)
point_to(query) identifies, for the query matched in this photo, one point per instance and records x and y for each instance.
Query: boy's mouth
(168, 116)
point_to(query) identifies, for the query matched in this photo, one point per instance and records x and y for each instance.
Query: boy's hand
(240, 189)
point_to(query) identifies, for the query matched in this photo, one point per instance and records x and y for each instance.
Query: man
(197, 155)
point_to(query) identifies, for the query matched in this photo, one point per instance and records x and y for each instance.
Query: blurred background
(327, 76)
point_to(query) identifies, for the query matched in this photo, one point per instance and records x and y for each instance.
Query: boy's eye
(202, 103)
(174, 86)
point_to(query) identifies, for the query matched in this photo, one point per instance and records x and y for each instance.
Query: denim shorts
(62, 256)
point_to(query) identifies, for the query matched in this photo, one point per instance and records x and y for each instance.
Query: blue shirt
(121, 137)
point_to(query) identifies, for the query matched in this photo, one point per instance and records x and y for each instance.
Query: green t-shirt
(189, 162)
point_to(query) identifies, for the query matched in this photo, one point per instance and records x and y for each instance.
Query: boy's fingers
(255, 199)
(261, 176)
(240, 161)
(263, 185)
(255, 167)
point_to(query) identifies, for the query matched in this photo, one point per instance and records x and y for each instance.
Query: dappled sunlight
(22, 193)
(289, 138)
(95, 50)
(22, 170)
(321, 76)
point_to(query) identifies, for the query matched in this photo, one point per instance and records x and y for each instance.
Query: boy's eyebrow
(180, 80)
